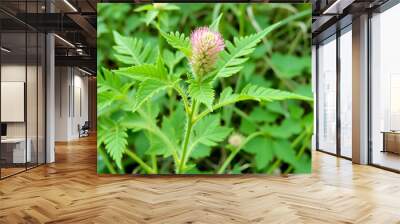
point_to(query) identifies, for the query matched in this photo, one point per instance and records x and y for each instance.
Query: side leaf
(143, 72)
(178, 41)
(202, 92)
(261, 148)
(115, 140)
(257, 93)
(146, 71)
(173, 126)
(209, 132)
(148, 89)
(131, 51)
(231, 60)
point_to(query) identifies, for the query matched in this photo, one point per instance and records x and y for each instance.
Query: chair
(84, 130)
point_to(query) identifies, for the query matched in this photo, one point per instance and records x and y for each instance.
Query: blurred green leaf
(209, 132)
(200, 151)
(261, 147)
(284, 151)
(290, 66)
(131, 51)
(215, 24)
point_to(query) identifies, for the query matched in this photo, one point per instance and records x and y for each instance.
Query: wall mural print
(195, 88)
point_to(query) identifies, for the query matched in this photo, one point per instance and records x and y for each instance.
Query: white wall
(62, 81)
(12, 73)
(33, 127)
(70, 83)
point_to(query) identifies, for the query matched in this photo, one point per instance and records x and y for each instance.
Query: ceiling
(74, 22)
(330, 15)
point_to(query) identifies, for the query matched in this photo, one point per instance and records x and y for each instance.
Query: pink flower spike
(206, 45)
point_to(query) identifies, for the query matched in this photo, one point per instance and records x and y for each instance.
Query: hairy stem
(136, 158)
(236, 151)
(187, 137)
(184, 97)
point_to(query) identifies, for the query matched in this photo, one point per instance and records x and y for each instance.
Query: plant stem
(146, 167)
(107, 161)
(236, 151)
(154, 163)
(298, 139)
(294, 43)
(301, 152)
(302, 149)
(187, 137)
(171, 97)
(275, 165)
(153, 128)
(184, 97)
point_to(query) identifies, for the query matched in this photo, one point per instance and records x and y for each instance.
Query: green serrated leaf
(148, 89)
(115, 141)
(257, 93)
(236, 54)
(150, 16)
(268, 94)
(209, 132)
(143, 72)
(131, 51)
(202, 92)
(178, 41)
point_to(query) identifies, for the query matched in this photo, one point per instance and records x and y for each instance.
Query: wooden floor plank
(70, 191)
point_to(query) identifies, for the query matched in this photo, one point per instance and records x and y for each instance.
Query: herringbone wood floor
(70, 191)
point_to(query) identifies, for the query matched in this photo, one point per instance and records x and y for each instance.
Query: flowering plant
(191, 127)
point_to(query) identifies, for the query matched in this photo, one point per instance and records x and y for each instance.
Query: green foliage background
(281, 61)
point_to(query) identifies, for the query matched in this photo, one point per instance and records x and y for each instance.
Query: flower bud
(206, 45)
(235, 139)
